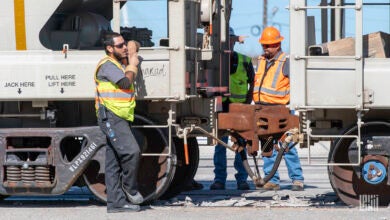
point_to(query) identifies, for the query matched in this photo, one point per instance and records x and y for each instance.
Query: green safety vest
(238, 85)
(119, 101)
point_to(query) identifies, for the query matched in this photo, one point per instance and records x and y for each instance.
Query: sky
(246, 19)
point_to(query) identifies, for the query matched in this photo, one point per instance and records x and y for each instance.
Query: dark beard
(118, 56)
(267, 56)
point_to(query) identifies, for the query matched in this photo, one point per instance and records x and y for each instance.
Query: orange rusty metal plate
(257, 121)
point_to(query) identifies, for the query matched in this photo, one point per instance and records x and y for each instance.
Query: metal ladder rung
(358, 143)
(297, 8)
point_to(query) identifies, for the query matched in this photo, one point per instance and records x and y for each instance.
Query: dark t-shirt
(109, 72)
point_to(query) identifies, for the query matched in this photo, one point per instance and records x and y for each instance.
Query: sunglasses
(270, 45)
(120, 46)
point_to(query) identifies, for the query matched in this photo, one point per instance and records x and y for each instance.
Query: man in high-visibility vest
(115, 103)
(272, 87)
(240, 88)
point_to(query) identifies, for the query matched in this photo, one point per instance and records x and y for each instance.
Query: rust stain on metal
(257, 121)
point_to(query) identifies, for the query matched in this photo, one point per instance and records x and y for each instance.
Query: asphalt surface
(318, 201)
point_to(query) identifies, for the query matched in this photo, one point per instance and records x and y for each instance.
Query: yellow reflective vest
(119, 101)
(238, 83)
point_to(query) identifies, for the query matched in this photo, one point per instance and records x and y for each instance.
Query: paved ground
(318, 201)
(317, 186)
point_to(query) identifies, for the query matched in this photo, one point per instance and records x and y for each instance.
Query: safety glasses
(270, 45)
(120, 46)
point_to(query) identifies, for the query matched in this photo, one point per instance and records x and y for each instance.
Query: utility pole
(265, 22)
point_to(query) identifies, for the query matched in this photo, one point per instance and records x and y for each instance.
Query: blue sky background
(247, 16)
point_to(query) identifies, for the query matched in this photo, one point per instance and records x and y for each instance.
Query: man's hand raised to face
(132, 48)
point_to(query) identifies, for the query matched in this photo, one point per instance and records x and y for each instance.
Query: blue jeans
(292, 162)
(220, 165)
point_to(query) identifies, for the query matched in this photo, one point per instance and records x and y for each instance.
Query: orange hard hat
(270, 35)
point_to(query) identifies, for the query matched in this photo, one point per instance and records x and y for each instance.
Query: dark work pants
(122, 159)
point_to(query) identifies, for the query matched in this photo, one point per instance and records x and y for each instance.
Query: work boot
(243, 186)
(193, 185)
(271, 186)
(125, 208)
(217, 186)
(137, 198)
(297, 186)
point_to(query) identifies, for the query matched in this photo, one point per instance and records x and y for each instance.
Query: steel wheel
(347, 181)
(155, 173)
(184, 173)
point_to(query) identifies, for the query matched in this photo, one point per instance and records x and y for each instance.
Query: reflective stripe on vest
(238, 85)
(120, 101)
(275, 88)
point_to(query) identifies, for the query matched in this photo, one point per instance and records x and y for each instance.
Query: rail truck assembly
(339, 86)
(49, 139)
(49, 50)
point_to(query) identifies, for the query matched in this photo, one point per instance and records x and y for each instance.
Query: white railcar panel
(35, 17)
(7, 26)
(332, 82)
(377, 81)
(48, 75)
(334, 87)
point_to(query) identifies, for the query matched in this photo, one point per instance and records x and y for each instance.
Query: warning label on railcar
(19, 84)
(61, 80)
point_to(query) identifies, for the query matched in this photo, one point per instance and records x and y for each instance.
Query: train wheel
(352, 184)
(184, 174)
(155, 172)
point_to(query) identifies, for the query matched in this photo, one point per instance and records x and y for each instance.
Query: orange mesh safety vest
(271, 86)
